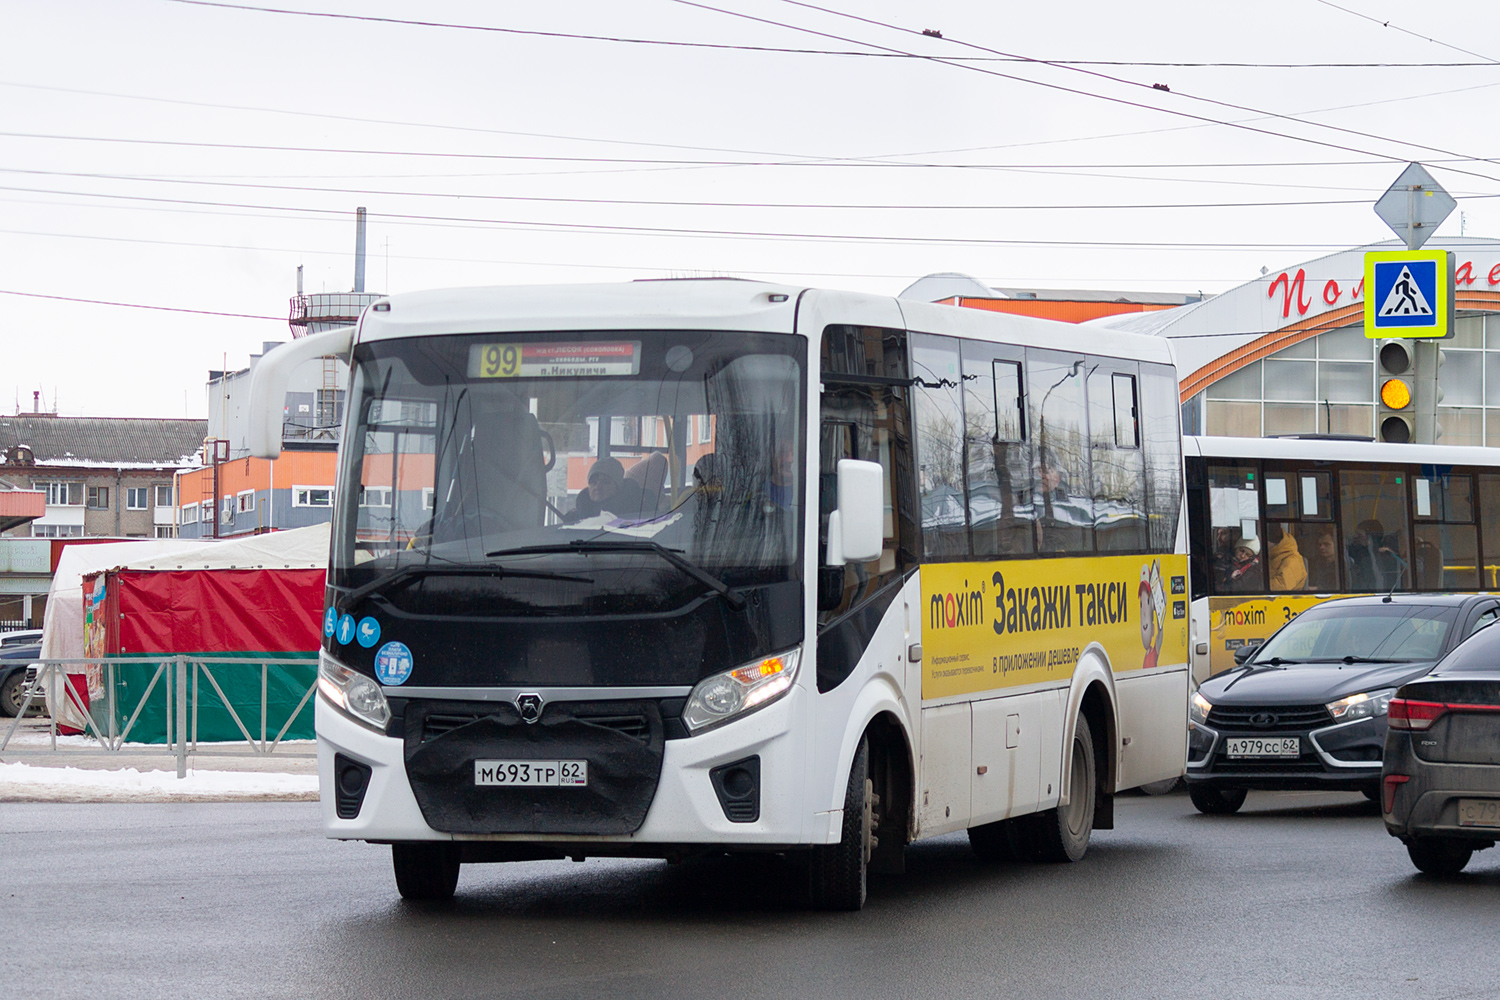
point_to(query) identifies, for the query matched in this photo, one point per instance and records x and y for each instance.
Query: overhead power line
(1396, 27)
(1099, 75)
(139, 305)
(532, 225)
(679, 203)
(855, 53)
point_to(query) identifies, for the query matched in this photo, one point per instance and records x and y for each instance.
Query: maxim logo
(530, 707)
(957, 609)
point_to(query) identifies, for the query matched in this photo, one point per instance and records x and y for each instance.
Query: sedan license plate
(532, 773)
(1279, 746)
(1479, 812)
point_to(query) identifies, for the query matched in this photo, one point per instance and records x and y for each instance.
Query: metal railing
(181, 685)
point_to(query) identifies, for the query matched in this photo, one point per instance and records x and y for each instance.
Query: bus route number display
(554, 360)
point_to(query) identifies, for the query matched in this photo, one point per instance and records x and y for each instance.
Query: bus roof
(1337, 450)
(711, 303)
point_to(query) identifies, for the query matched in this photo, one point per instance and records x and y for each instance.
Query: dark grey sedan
(1441, 779)
(1307, 710)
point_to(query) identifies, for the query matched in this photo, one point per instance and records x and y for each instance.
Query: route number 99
(500, 361)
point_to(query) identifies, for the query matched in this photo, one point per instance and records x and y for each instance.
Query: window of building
(166, 531)
(56, 530)
(61, 494)
(705, 428)
(98, 498)
(137, 498)
(227, 510)
(207, 508)
(374, 496)
(245, 502)
(190, 514)
(429, 498)
(312, 496)
(163, 495)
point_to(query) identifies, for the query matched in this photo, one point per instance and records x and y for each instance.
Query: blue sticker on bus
(393, 663)
(346, 630)
(368, 632)
(330, 621)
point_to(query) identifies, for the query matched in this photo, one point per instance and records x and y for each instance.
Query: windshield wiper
(403, 573)
(587, 545)
(1357, 659)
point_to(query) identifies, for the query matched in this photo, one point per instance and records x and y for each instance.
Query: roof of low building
(100, 441)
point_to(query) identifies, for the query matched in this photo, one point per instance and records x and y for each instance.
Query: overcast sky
(456, 139)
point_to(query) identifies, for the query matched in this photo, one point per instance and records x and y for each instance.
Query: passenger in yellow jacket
(1288, 568)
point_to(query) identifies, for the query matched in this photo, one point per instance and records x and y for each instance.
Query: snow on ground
(26, 783)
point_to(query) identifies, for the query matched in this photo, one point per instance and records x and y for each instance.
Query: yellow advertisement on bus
(1249, 621)
(990, 625)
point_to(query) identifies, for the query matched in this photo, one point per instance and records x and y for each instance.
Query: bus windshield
(579, 474)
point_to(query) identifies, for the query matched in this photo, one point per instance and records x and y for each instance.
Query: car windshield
(1360, 632)
(1480, 652)
(625, 470)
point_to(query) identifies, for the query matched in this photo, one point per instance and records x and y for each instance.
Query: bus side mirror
(272, 374)
(856, 529)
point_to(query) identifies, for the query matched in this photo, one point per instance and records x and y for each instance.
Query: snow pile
(25, 783)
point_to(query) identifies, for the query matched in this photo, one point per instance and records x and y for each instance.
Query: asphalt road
(1298, 896)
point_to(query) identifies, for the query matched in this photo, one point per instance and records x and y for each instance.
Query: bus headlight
(735, 692)
(353, 694)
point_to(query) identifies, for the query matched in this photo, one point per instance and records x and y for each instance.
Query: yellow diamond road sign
(1408, 293)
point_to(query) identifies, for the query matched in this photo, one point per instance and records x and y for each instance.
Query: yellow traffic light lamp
(1395, 394)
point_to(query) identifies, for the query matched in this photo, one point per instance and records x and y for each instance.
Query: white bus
(1280, 524)
(679, 567)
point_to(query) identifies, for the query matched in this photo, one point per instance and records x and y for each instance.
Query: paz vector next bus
(679, 567)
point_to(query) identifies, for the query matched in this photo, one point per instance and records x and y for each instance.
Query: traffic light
(1395, 370)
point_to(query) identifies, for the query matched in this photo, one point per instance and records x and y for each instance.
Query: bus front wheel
(837, 872)
(426, 871)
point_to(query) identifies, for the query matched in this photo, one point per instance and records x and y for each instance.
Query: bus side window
(1160, 423)
(1372, 505)
(1238, 563)
(999, 460)
(1061, 487)
(1446, 552)
(940, 446)
(1118, 469)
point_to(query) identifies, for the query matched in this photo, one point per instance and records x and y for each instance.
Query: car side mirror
(856, 529)
(1245, 652)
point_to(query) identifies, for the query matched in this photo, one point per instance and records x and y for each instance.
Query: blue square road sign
(1409, 293)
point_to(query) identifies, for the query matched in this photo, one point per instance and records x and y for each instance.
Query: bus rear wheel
(426, 871)
(1062, 834)
(837, 873)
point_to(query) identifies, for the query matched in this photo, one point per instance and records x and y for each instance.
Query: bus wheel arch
(1092, 700)
(892, 771)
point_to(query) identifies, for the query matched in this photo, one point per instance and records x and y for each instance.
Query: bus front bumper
(685, 810)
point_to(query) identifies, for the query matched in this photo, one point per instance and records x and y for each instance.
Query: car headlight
(1365, 705)
(352, 693)
(1198, 709)
(735, 692)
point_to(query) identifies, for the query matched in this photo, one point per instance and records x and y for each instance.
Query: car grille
(634, 725)
(1268, 718)
(1299, 765)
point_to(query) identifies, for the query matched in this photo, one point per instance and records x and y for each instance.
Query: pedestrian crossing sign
(1408, 293)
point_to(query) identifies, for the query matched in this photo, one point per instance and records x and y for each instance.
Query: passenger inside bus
(1288, 568)
(1323, 564)
(1374, 562)
(608, 490)
(1241, 573)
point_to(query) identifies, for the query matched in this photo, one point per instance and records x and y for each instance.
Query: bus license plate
(532, 773)
(1479, 812)
(1283, 746)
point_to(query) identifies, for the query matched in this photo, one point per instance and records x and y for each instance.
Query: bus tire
(1062, 834)
(837, 872)
(426, 871)
(1216, 801)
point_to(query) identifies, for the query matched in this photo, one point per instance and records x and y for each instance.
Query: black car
(1441, 779)
(1307, 710)
(15, 657)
